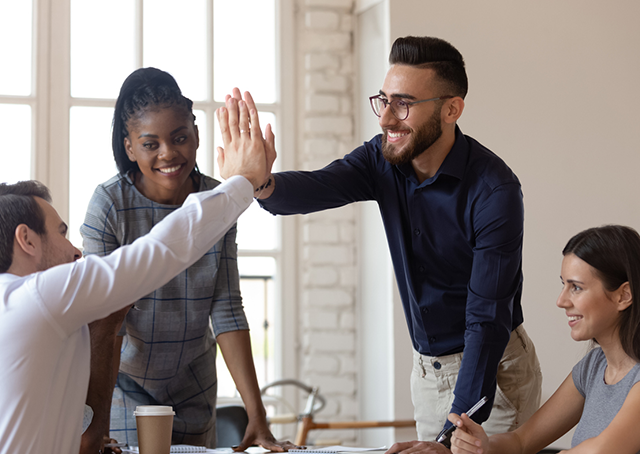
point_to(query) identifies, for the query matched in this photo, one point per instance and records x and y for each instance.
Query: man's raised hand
(245, 150)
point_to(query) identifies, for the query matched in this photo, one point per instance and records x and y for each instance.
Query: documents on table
(257, 450)
(337, 449)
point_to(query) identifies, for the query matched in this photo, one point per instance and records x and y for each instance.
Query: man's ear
(625, 299)
(452, 109)
(27, 240)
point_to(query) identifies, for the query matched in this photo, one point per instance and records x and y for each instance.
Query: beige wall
(553, 91)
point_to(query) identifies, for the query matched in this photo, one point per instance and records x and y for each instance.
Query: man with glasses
(453, 216)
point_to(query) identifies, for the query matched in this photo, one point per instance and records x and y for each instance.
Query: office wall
(553, 90)
(386, 348)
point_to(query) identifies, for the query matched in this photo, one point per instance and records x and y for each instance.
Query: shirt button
(416, 232)
(432, 339)
(421, 269)
(437, 365)
(425, 310)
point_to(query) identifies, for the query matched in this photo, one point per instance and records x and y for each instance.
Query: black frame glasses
(398, 106)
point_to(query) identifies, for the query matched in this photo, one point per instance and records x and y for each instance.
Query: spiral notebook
(311, 449)
(187, 448)
(336, 449)
(181, 449)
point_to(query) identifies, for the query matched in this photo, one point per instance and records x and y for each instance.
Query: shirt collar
(453, 165)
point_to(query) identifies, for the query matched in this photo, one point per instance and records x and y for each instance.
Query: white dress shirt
(45, 354)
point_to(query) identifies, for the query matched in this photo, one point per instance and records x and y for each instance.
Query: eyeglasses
(399, 108)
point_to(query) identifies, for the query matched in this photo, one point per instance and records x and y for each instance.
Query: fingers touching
(240, 130)
(239, 116)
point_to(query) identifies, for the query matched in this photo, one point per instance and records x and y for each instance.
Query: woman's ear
(625, 299)
(128, 149)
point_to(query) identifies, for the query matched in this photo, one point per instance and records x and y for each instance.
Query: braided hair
(144, 89)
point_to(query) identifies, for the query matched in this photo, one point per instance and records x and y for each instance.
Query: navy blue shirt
(456, 247)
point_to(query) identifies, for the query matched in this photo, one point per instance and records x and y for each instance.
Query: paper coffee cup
(154, 424)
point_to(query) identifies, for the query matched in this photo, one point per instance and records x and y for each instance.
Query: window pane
(15, 47)
(16, 149)
(257, 276)
(175, 40)
(244, 48)
(257, 266)
(90, 161)
(102, 47)
(257, 229)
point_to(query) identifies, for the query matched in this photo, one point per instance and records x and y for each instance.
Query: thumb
(220, 158)
(246, 442)
(270, 142)
(470, 426)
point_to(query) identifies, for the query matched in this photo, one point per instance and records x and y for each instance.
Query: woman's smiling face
(163, 142)
(592, 311)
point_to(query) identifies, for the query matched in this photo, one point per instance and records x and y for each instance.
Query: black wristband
(264, 186)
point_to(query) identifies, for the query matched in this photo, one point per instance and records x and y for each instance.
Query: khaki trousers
(517, 395)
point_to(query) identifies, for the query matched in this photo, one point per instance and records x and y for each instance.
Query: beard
(52, 256)
(47, 260)
(423, 138)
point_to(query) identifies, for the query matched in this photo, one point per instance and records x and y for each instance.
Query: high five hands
(246, 152)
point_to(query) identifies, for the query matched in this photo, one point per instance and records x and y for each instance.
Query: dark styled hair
(613, 251)
(19, 206)
(145, 88)
(436, 54)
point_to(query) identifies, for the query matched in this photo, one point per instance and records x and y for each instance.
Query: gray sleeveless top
(602, 401)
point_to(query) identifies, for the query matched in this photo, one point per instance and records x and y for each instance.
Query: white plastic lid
(153, 410)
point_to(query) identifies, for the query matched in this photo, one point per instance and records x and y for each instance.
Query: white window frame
(50, 141)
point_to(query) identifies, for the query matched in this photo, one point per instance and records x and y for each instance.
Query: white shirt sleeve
(78, 293)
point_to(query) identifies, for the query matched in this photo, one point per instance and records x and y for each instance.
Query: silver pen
(445, 436)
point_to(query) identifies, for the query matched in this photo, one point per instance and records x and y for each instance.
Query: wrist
(255, 409)
(257, 418)
(258, 191)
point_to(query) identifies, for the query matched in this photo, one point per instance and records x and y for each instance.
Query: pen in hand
(445, 436)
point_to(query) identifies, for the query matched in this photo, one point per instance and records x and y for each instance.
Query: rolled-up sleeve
(496, 279)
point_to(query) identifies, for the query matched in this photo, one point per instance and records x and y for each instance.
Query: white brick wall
(327, 251)
(314, 297)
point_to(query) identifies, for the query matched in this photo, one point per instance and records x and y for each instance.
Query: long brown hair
(614, 253)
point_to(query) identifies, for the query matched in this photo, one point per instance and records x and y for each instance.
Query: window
(16, 101)
(56, 107)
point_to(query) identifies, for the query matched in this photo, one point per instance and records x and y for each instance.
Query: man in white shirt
(48, 296)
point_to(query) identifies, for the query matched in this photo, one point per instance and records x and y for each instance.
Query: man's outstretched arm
(107, 284)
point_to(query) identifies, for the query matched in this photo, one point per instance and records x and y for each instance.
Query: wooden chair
(315, 402)
(307, 424)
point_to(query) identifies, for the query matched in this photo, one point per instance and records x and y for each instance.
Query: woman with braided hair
(166, 349)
